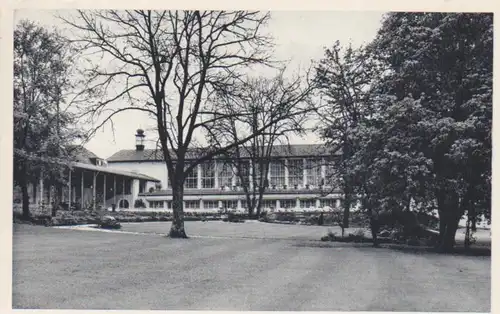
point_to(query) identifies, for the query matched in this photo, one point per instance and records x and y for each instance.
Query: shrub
(357, 236)
(139, 203)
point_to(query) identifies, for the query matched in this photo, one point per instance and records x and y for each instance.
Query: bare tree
(171, 65)
(288, 102)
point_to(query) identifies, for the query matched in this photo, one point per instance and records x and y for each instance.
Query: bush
(357, 236)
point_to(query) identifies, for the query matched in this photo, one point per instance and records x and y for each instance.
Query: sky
(300, 36)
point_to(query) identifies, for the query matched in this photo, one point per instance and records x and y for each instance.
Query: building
(92, 184)
(297, 179)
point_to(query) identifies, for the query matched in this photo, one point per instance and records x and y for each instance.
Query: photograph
(281, 160)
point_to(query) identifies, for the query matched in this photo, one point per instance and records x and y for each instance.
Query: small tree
(345, 77)
(289, 103)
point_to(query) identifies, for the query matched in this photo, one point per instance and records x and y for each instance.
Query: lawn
(248, 266)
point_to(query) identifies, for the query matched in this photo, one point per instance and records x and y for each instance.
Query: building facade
(92, 184)
(298, 178)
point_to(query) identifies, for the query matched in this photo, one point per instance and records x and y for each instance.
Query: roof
(81, 154)
(296, 150)
(112, 170)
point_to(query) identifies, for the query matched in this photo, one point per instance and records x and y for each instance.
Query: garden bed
(67, 218)
(356, 219)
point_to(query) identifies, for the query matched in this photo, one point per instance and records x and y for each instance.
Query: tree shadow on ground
(458, 250)
(461, 251)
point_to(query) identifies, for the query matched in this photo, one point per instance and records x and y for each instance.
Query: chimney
(139, 140)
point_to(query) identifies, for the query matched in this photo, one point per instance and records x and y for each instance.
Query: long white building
(296, 179)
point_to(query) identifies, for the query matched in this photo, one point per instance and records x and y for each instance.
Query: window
(225, 174)
(330, 171)
(327, 202)
(155, 204)
(267, 204)
(208, 175)
(191, 204)
(230, 204)
(261, 171)
(210, 204)
(191, 179)
(244, 168)
(169, 204)
(287, 203)
(277, 173)
(310, 203)
(295, 172)
(313, 168)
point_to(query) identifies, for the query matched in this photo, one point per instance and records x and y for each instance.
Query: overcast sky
(299, 37)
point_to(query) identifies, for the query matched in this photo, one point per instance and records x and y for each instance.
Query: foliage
(44, 127)
(139, 203)
(345, 77)
(426, 142)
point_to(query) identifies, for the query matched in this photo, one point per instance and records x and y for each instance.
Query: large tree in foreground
(429, 140)
(43, 125)
(172, 65)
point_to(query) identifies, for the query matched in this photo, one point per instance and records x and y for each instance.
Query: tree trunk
(347, 208)
(177, 230)
(26, 199)
(450, 219)
(448, 242)
(467, 232)
(57, 200)
(259, 202)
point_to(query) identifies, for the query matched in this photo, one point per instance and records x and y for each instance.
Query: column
(297, 203)
(278, 204)
(201, 205)
(323, 170)
(318, 203)
(233, 178)
(338, 203)
(216, 175)
(304, 171)
(134, 190)
(104, 193)
(286, 174)
(198, 176)
(123, 188)
(114, 190)
(41, 189)
(82, 182)
(94, 188)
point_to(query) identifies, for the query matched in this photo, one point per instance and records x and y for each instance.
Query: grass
(279, 270)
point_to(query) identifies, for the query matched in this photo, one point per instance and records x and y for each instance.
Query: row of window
(241, 171)
(233, 204)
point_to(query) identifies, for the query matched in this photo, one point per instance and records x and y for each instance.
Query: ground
(250, 266)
